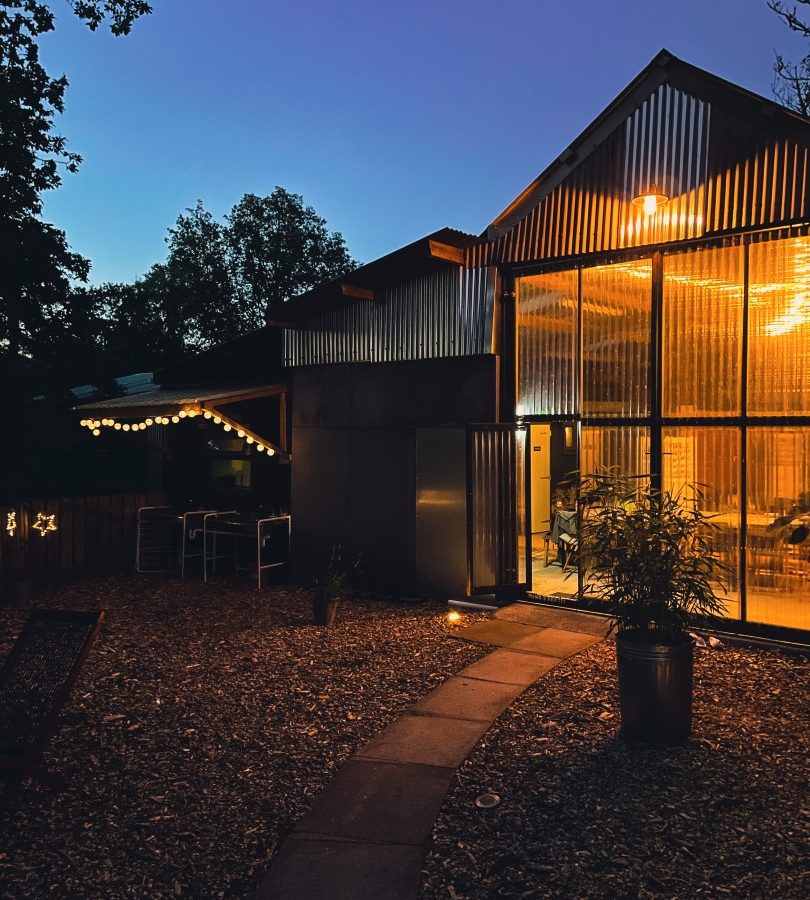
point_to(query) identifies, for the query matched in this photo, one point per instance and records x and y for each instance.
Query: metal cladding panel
(441, 512)
(719, 171)
(497, 492)
(355, 487)
(444, 313)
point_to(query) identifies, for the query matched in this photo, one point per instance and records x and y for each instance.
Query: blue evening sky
(392, 118)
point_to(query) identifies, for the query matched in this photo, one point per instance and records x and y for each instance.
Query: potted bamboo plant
(332, 584)
(649, 557)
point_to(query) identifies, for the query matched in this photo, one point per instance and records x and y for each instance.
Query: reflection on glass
(547, 343)
(779, 327)
(616, 339)
(702, 325)
(710, 459)
(778, 509)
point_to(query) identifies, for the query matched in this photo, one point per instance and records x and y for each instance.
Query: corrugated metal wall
(497, 489)
(444, 313)
(719, 171)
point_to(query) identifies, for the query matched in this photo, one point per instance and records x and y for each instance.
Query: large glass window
(547, 344)
(703, 466)
(616, 304)
(702, 332)
(778, 546)
(779, 328)
(623, 450)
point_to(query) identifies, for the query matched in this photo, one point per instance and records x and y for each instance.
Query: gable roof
(663, 68)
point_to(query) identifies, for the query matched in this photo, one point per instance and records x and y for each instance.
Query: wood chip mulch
(206, 720)
(586, 814)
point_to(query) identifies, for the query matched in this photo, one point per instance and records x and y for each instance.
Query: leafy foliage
(791, 83)
(279, 248)
(649, 556)
(337, 576)
(37, 265)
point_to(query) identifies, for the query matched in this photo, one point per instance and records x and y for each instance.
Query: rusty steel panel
(444, 313)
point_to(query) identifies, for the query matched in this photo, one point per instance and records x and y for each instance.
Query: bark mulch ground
(206, 719)
(585, 814)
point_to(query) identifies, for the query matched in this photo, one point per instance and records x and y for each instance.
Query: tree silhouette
(791, 83)
(36, 265)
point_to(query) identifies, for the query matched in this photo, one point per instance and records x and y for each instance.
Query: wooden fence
(92, 536)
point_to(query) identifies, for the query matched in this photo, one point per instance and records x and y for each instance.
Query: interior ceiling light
(651, 200)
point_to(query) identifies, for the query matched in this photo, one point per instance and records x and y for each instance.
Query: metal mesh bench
(36, 680)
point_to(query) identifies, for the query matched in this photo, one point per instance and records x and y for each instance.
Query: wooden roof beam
(446, 252)
(355, 292)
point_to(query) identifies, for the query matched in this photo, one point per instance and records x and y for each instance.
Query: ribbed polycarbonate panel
(702, 340)
(779, 328)
(623, 450)
(777, 546)
(446, 313)
(616, 303)
(547, 344)
(703, 466)
(498, 520)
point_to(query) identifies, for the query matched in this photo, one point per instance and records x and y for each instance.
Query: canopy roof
(167, 401)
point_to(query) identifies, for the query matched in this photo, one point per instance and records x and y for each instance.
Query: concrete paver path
(365, 835)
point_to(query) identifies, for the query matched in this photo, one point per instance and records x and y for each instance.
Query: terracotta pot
(655, 689)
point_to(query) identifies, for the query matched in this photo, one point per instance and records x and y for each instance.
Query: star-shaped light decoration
(44, 523)
(11, 522)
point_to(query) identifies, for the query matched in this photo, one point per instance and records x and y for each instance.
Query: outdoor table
(242, 527)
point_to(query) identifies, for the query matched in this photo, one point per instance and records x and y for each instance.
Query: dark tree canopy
(791, 83)
(279, 248)
(37, 265)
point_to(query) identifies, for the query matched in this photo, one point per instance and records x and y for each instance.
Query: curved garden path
(365, 835)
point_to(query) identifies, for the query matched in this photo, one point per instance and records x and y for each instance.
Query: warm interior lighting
(453, 616)
(651, 200)
(11, 522)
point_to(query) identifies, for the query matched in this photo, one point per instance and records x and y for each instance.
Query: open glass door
(499, 502)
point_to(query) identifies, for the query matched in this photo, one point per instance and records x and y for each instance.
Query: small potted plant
(331, 585)
(649, 557)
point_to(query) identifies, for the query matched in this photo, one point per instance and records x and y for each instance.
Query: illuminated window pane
(779, 328)
(778, 563)
(702, 321)
(547, 342)
(710, 459)
(616, 339)
(624, 450)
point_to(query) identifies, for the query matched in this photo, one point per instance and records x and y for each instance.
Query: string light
(44, 523)
(95, 425)
(11, 522)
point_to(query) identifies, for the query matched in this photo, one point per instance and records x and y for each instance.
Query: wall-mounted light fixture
(651, 200)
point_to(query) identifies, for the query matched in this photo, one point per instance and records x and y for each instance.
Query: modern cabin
(643, 304)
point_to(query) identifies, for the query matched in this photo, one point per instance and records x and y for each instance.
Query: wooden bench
(35, 682)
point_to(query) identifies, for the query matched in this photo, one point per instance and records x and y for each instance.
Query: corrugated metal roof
(166, 400)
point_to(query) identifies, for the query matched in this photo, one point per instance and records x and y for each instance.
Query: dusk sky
(392, 119)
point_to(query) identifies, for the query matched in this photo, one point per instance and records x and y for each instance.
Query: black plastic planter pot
(324, 611)
(655, 689)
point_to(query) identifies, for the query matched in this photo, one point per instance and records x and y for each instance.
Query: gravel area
(586, 814)
(206, 719)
